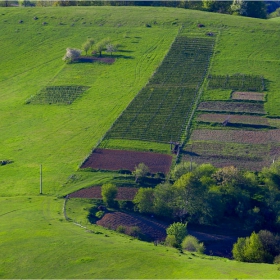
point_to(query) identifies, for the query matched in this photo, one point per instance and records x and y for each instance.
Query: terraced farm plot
(237, 136)
(160, 110)
(151, 228)
(253, 96)
(124, 193)
(236, 82)
(221, 154)
(63, 95)
(232, 107)
(118, 159)
(234, 119)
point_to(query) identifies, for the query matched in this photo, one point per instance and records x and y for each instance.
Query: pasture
(36, 241)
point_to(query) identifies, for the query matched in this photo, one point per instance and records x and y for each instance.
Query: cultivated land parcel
(36, 241)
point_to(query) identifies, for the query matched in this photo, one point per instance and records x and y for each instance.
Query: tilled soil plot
(234, 119)
(124, 193)
(119, 159)
(234, 107)
(237, 136)
(153, 229)
(216, 243)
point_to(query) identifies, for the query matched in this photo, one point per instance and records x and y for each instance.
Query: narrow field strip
(124, 193)
(160, 110)
(233, 119)
(221, 154)
(253, 96)
(233, 107)
(118, 159)
(237, 136)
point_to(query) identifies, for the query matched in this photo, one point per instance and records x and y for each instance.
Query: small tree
(109, 193)
(140, 171)
(86, 46)
(179, 230)
(110, 48)
(144, 200)
(91, 42)
(71, 55)
(191, 244)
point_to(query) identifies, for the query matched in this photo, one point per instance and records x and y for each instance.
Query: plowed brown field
(119, 159)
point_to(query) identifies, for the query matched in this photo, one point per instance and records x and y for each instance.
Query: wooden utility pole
(41, 180)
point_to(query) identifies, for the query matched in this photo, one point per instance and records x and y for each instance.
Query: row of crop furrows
(160, 110)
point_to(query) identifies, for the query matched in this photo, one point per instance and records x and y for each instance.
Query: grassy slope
(49, 247)
(60, 137)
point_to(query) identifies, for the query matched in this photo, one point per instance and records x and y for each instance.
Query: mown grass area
(49, 247)
(36, 242)
(60, 137)
(120, 144)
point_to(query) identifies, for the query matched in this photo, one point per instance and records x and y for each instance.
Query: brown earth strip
(237, 136)
(119, 159)
(235, 119)
(234, 107)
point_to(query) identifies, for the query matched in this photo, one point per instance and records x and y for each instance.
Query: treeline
(203, 194)
(257, 9)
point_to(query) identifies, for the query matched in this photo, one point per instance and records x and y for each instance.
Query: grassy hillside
(36, 241)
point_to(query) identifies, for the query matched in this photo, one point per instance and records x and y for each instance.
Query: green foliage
(250, 249)
(121, 229)
(182, 168)
(178, 230)
(86, 46)
(191, 244)
(109, 193)
(141, 170)
(170, 241)
(99, 214)
(144, 200)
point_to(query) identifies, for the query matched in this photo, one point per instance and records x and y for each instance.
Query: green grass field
(36, 241)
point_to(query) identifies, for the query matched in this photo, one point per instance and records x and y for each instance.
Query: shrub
(133, 231)
(99, 214)
(170, 241)
(109, 193)
(121, 229)
(179, 230)
(277, 260)
(190, 243)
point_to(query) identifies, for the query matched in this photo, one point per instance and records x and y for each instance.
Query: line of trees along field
(257, 9)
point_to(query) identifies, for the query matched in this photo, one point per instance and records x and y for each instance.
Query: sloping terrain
(35, 239)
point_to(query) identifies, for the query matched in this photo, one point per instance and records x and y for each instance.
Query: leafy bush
(99, 214)
(121, 229)
(190, 243)
(179, 230)
(170, 241)
(109, 193)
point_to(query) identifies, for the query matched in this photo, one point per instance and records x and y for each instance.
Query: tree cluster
(259, 247)
(208, 195)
